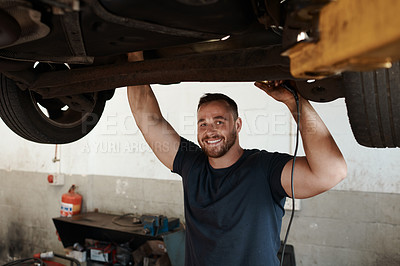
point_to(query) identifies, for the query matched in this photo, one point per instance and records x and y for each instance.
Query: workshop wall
(357, 223)
(28, 205)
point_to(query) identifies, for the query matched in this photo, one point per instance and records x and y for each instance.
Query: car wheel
(56, 121)
(373, 106)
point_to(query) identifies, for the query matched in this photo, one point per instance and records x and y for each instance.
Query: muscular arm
(158, 133)
(323, 166)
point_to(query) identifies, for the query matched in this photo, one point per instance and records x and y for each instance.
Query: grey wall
(347, 228)
(335, 228)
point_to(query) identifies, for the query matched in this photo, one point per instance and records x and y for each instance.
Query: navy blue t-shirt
(233, 215)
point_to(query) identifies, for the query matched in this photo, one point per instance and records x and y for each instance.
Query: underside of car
(61, 60)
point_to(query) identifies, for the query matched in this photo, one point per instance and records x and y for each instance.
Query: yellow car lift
(355, 35)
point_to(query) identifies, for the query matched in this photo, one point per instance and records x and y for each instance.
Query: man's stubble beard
(228, 143)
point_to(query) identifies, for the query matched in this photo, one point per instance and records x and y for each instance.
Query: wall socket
(56, 179)
(289, 207)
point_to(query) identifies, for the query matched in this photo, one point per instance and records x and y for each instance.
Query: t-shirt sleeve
(276, 162)
(187, 152)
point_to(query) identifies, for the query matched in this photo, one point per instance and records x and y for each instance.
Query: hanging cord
(55, 159)
(296, 97)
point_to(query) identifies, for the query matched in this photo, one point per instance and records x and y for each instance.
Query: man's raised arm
(158, 133)
(323, 167)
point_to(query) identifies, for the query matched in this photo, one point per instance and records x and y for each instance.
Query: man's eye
(203, 125)
(219, 122)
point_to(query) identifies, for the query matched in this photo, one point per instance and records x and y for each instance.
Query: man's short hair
(211, 97)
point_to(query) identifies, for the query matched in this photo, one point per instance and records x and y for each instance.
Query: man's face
(216, 129)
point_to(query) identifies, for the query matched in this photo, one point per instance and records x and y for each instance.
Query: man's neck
(231, 157)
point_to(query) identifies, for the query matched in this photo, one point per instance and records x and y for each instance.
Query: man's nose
(213, 126)
(210, 128)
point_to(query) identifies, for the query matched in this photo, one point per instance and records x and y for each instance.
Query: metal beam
(355, 35)
(241, 65)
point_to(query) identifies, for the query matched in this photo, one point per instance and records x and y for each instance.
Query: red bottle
(71, 203)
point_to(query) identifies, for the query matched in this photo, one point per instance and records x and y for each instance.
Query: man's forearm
(158, 133)
(142, 101)
(144, 105)
(322, 153)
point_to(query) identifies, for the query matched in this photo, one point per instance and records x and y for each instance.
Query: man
(234, 197)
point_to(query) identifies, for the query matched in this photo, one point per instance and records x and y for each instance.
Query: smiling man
(234, 197)
(218, 127)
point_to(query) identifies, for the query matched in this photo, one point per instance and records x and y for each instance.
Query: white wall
(116, 148)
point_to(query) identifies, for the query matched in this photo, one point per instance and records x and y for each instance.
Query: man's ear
(238, 124)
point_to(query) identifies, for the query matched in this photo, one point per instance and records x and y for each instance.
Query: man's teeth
(213, 141)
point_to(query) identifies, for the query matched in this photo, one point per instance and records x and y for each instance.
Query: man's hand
(274, 89)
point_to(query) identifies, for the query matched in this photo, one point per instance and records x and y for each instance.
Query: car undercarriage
(60, 60)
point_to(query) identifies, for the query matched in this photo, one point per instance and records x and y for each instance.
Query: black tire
(373, 106)
(21, 113)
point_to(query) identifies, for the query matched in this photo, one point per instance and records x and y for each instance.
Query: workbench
(102, 227)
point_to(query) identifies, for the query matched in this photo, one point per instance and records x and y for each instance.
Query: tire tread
(373, 104)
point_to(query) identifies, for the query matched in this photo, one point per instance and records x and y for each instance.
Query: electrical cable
(277, 30)
(296, 97)
(134, 224)
(27, 261)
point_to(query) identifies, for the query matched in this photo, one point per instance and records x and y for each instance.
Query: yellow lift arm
(355, 35)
